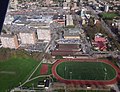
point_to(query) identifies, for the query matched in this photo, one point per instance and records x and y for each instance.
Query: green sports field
(85, 71)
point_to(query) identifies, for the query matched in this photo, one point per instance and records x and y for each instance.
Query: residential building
(66, 5)
(27, 37)
(13, 3)
(48, 2)
(9, 41)
(99, 42)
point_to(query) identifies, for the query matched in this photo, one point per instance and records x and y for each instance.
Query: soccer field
(85, 70)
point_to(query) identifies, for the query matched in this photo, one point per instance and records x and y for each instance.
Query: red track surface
(95, 82)
(44, 69)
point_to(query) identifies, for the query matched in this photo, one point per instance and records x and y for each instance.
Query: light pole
(105, 76)
(65, 68)
(105, 73)
(20, 85)
(70, 75)
(32, 86)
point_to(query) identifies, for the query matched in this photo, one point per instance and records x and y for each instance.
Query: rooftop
(20, 28)
(72, 32)
(67, 41)
(7, 35)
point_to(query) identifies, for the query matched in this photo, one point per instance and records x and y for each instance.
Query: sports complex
(85, 71)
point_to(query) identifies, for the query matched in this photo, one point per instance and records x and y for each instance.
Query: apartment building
(27, 37)
(9, 41)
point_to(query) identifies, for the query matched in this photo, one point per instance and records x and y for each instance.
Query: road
(116, 88)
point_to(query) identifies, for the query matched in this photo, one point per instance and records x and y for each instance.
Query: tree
(48, 57)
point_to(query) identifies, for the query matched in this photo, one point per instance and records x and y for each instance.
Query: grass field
(15, 70)
(109, 15)
(85, 71)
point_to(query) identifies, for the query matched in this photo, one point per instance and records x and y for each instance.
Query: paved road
(116, 88)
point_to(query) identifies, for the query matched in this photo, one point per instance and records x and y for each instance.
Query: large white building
(27, 37)
(106, 7)
(13, 3)
(69, 20)
(44, 34)
(9, 41)
(68, 1)
(8, 19)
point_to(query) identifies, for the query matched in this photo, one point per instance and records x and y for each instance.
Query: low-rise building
(99, 42)
(9, 41)
(72, 34)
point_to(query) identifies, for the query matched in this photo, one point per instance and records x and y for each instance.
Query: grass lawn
(109, 15)
(15, 70)
(85, 70)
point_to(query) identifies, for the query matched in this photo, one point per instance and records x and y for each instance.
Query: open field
(15, 70)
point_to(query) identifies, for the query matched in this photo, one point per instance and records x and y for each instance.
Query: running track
(95, 82)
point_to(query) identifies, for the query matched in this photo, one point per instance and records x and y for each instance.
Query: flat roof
(7, 35)
(72, 32)
(69, 41)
